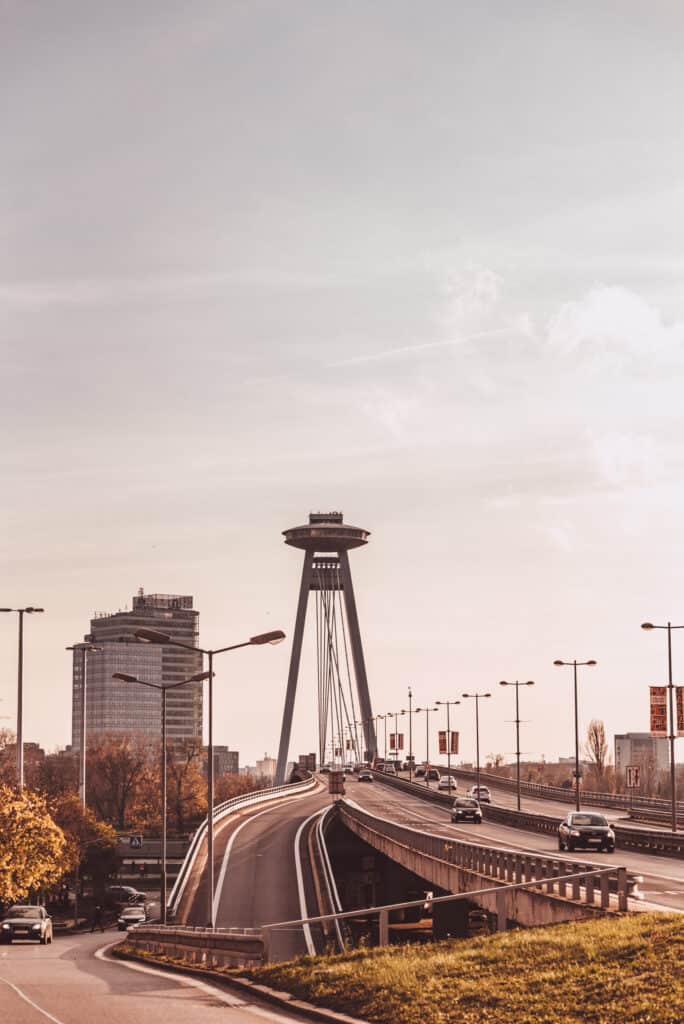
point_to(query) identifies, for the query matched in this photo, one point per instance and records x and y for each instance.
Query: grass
(627, 970)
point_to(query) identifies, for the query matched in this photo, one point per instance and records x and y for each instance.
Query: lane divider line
(22, 995)
(310, 947)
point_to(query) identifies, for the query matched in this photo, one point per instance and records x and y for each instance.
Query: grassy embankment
(610, 971)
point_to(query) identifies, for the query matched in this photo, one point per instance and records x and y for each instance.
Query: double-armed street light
(156, 637)
(530, 682)
(395, 716)
(477, 697)
(670, 686)
(87, 649)
(163, 687)
(575, 665)
(29, 610)
(427, 711)
(448, 704)
(410, 714)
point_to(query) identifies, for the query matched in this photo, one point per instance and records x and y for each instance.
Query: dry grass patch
(626, 970)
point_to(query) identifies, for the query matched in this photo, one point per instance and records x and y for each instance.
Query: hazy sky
(420, 262)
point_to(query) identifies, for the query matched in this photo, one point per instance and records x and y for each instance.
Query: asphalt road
(663, 877)
(68, 983)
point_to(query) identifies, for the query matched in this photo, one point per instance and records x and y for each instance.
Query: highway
(71, 982)
(663, 884)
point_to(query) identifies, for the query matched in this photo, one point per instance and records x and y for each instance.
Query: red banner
(442, 741)
(680, 710)
(454, 742)
(659, 710)
(400, 741)
(392, 738)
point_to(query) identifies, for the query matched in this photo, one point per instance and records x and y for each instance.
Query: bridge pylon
(326, 541)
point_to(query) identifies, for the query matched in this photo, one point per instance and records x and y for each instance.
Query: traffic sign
(135, 842)
(633, 776)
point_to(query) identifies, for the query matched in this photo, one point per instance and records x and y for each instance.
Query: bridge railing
(221, 811)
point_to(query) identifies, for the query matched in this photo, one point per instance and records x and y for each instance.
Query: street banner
(679, 692)
(658, 710)
(338, 751)
(349, 744)
(454, 742)
(442, 741)
(400, 741)
(633, 772)
(392, 738)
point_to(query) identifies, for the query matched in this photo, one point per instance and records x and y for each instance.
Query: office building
(225, 761)
(641, 748)
(116, 707)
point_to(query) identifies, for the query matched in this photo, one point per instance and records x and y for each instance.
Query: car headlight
(6, 927)
(35, 927)
(574, 832)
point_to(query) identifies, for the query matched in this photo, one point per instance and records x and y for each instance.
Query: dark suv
(582, 828)
(465, 808)
(124, 894)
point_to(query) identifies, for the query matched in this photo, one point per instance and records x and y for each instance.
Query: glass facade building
(113, 706)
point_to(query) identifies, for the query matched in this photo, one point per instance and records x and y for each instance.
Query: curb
(284, 1000)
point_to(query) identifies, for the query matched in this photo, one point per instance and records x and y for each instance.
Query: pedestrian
(97, 918)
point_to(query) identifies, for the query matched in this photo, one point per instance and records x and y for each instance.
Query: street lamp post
(29, 610)
(410, 714)
(574, 665)
(86, 649)
(395, 716)
(670, 685)
(530, 682)
(427, 739)
(163, 687)
(156, 637)
(477, 697)
(448, 704)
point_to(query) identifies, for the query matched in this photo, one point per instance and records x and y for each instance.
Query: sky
(417, 262)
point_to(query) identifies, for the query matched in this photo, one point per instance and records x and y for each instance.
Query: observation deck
(326, 531)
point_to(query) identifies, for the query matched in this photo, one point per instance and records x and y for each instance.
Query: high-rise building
(114, 706)
(641, 748)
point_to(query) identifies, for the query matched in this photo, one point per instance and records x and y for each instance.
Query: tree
(186, 785)
(8, 771)
(31, 844)
(116, 769)
(229, 785)
(596, 748)
(90, 843)
(56, 775)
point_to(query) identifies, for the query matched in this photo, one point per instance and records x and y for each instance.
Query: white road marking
(22, 995)
(310, 947)
(217, 993)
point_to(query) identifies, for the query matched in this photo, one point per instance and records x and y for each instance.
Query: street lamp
(200, 677)
(574, 664)
(29, 610)
(395, 716)
(410, 714)
(87, 649)
(477, 697)
(448, 704)
(530, 682)
(673, 775)
(427, 739)
(155, 637)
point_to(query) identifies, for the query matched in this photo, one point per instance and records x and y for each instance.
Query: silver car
(26, 922)
(131, 915)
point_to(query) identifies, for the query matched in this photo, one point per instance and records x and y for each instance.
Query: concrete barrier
(223, 947)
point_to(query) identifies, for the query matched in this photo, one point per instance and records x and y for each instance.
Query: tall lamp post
(448, 704)
(410, 714)
(200, 677)
(395, 716)
(87, 649)
(673, 774)
(575, 665)
(155, 637)
(427, 739)
(477, 697)
(29, 610)
(530, 682)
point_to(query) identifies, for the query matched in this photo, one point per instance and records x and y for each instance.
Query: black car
(26, 922)
(465, 808)
(584, 828)
(124, 894)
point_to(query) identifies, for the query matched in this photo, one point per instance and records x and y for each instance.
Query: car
(447, 782)
(433, 775)
(583, 828)
(408, 765)
(389, 769)
(27, 921)
(466, 808)
(130, 916)
(124, 894)
(481, 794)
(365, 775)
(420, 771)
(349, 767)
(325, 768)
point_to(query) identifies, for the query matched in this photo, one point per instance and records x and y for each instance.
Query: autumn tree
(8, 771)
(186, 785)
(229, 785)
(596, 748)
(32, 846)
(116, 770)
(90, 843)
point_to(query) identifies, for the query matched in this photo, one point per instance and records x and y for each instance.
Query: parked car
(433, 774)
(130, 916)
(389, 769)
(447, 782)
(465, 808)
(27, 921)
(365, 775)
(124, 894)
(589, 830)
(481, 794)
(408, 764)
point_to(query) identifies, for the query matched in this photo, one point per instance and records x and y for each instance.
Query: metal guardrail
(221, 811)
(626, 838)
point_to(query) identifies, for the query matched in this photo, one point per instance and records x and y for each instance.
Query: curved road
(70, 982)
(663, 884)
